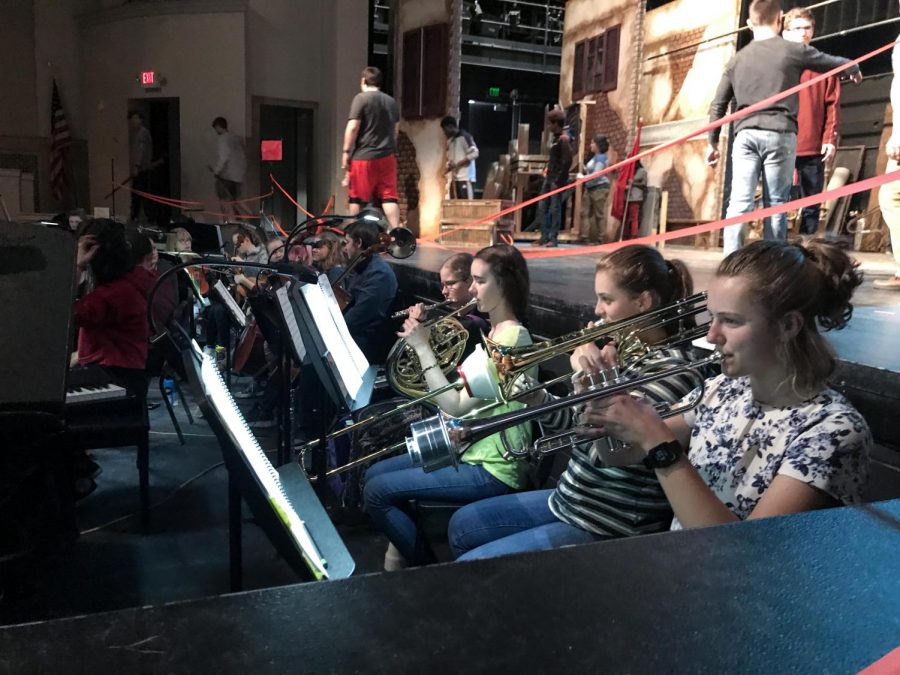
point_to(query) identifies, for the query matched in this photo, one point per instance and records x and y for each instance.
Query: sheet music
(359, 359)
(339, 348)
(232, 306)
(234, 422)
(287, 311)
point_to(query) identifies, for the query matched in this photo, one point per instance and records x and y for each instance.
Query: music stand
(282, 500)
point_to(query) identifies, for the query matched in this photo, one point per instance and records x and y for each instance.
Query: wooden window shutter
(425, 61)
(578, 68)
(610, 79)
(434, 70)
(412, 74)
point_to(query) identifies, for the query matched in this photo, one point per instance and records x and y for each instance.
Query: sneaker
(394, 560)
(537, 242)
(892, 284)
(550, 244)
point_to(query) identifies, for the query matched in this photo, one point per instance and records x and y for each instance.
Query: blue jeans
(391, 483)
(553, 215)
(511, 524)
(770, 154)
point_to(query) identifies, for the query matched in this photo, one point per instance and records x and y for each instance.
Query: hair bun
(840, 277)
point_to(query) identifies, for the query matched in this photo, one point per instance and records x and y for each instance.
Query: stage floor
(866, 340)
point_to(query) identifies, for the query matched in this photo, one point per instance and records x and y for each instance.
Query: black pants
(811, 172)
(218, 324)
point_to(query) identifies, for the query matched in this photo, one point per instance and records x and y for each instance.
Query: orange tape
(290, 199)
(852, 188)
(668, 144)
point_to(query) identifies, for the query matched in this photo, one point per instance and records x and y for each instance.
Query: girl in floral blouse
(769, 436)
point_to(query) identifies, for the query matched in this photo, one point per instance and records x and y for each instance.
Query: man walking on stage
(140, 156)
(370, 148)
(230, 167)
(765, 142)
(889, 195)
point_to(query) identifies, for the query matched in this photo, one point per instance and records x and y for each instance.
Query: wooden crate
(530, 164)
(458, 212)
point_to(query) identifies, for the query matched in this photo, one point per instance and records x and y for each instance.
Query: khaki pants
(889, 201)
(593, 214)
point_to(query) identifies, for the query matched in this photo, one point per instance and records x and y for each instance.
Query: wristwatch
(663, 455)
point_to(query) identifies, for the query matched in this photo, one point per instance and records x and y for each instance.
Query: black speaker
(37, 285)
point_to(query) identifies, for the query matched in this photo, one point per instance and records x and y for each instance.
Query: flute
(403, 313)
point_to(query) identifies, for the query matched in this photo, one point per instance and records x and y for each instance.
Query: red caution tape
(837, 193)
(290, 199)
(664, 146)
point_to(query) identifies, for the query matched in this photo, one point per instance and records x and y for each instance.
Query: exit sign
(494, 92)
(149, 79)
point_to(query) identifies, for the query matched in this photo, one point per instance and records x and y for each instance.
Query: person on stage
(500, 282)
(770, 437)
(592, 501)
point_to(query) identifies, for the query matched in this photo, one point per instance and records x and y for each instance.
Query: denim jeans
(553, 215)
(811, 172)
(391, 483)
(511, 524)
(770, 154)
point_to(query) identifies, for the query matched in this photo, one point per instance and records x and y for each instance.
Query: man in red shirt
(817, 121)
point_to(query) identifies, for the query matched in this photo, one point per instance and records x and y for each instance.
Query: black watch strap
(663, 455)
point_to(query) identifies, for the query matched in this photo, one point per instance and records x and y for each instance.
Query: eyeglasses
(318, 244)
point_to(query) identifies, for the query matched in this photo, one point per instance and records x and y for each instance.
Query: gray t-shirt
(378, 114)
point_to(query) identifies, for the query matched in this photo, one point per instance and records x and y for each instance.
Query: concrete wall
(202, 58)
(675, 93)
(424, 136)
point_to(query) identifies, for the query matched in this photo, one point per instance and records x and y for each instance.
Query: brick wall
(408, 182)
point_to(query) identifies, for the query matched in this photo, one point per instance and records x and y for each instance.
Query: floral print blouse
(739, 445)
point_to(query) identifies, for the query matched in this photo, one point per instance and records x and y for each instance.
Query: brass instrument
(447, 339)
(440, 441)
(493, 374)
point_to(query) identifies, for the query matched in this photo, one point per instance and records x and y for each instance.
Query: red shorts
(373, 180)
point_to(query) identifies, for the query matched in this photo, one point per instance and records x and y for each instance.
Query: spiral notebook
(236, 426)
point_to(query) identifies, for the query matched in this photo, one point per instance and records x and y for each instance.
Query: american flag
(60, 140)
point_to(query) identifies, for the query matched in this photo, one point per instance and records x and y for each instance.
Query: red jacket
(817, 118)
(113, 321)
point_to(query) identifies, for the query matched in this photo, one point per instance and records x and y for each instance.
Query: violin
(399, 243)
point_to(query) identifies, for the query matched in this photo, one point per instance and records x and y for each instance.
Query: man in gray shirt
(765, 142)
(370, 148)
(140, 154)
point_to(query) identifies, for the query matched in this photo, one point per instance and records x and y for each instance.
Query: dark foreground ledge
(815, 592)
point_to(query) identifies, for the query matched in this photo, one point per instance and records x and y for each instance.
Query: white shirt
(231, 162)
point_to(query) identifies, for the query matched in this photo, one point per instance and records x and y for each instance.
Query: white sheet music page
(233, 420)
(337, 347)
(362, 363)
(232, 306)
(290, 319)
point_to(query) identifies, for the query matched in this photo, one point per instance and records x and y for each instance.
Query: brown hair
(764, 12)
(556, 117)
(372, 76)
(511, 271)
(460, 264)
(335, 255)
(637, 268)
(798, 13)
(816, 280)
(243, 233)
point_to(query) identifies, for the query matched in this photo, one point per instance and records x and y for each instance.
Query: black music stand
(250, 476)
(318, 325)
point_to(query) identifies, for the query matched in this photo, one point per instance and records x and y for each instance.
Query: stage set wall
(668, 95)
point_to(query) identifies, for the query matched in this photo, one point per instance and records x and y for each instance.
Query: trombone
(440, 441)
(492, 371)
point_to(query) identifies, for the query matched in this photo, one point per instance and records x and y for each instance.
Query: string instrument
(249, 356)
(398, 243)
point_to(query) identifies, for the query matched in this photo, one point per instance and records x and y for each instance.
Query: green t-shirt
(488, 452)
